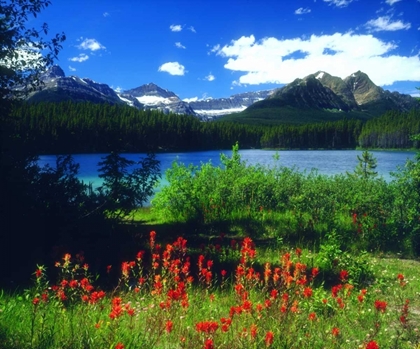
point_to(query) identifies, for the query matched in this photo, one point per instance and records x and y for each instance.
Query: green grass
(245, 308)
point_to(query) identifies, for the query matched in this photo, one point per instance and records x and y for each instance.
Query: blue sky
(215, 48)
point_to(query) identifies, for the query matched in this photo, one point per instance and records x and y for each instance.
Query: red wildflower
(312, 316)
(44, 297)
(274, 293)
(294, 308)
(108, 269)
(208, 344)
(372, 345)
(314, 272)
(119, 346)
(223, 273)
(298, 252)
(335, 290)
(125, 268)
(130, 311)
(38, 273)
(247, 305)
(380, 305)
(140, 255)
(207, 326)
(226, 322)
(269, 338)
(152, 235)
(335, 331)
(400, 277)
(61, 295)
(344, 274)
(73, 283)
(253, 330)
(84, 283)
(35, 301)
(168, 326)
(307, 292)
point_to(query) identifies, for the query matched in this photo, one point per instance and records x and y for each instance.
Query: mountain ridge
(320, 92)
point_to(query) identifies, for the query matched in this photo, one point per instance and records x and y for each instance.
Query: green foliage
(366, 167)
(24, 54)
(367, 213)
(20, 61)
(125, 188)
(407, 199)
(332, 258)
(70, 127)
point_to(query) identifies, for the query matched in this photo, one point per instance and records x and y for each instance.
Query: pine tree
(366, 167)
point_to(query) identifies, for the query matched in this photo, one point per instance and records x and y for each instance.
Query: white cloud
(280, 61)
(71, 68)
(106, 14)
(90, 44)
(210, 77)
(214, 49)
(392, 2)
(339, 3)
(385, 24)
(80, 58)
(302, 11)
(173, 68)
(175, 27)
(179, 45)
(192, 29)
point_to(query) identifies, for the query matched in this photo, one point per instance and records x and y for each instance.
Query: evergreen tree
(366, 167)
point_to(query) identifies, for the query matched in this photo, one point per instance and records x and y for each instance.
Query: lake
(327, 162)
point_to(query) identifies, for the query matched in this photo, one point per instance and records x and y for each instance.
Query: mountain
(316, 97)
(151, 96)
(215, 107)
(323, 97)
(56, 87)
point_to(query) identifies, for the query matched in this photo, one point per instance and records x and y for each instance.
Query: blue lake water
(328, 162)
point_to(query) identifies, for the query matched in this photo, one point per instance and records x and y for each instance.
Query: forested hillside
(70, 127)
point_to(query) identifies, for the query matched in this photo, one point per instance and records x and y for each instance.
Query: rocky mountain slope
(316, 92)
(213, 108)
(57, 87)
(356, 92)
(151, 96)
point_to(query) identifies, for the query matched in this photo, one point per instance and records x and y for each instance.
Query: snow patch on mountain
(211, 113)
(153, 100)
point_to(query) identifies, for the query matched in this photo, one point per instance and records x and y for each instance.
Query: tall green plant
(366, 167)
(125, 188)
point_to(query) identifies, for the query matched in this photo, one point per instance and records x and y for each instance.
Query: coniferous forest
(70, 127)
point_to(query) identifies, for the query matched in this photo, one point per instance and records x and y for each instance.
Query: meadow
(227, 294)
(240, 256)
